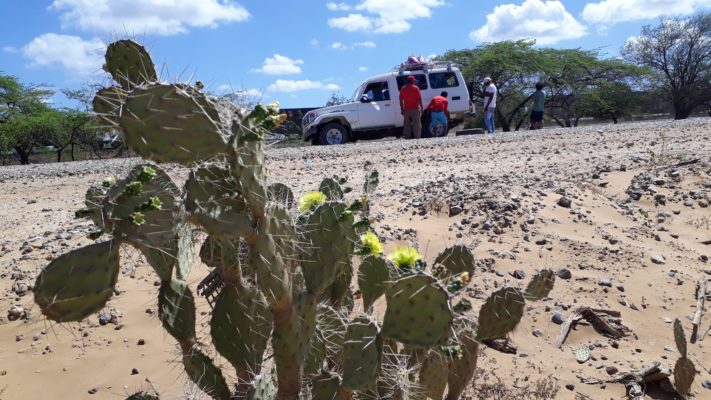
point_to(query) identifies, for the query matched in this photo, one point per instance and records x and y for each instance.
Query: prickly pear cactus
(280, 270)
(540, 286)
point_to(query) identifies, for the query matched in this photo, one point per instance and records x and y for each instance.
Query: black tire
(333, 133)
(426, 122)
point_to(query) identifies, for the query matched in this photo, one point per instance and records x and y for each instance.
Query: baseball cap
(487, 79)
(411, 78)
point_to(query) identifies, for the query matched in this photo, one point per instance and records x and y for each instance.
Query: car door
(376, 108)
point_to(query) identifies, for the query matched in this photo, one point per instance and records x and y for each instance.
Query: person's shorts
(536, 116)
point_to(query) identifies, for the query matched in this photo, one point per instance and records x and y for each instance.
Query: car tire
(333, 133)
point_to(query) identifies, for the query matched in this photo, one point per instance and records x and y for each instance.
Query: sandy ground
(500, 195)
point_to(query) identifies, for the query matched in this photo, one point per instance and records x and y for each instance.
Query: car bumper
(309, 132)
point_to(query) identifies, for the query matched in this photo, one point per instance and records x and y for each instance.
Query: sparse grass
(437, 204)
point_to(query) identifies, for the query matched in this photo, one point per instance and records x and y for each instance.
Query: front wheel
(333, 133)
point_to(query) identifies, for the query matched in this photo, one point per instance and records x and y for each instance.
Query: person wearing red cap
(411, 108)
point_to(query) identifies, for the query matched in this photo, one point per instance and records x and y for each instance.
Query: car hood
(341, 108)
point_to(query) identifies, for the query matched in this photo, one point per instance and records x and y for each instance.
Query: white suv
(374, 110)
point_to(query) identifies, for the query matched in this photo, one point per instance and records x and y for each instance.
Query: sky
(297, 52)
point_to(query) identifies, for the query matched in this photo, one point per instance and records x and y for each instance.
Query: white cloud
(363, 69)
(351, 23)
(280, 65)
(313, 42)
(385, 16)
(367, 44)
(10, 49)
(80, 57)
(338, 46)
(612, 11)
(546, 21)
(288, 86)
(161, 17)
(338, 6)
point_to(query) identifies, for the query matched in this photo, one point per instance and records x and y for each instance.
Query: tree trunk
(23, 155)
(682, 110)
(59, 155)
(72, 151)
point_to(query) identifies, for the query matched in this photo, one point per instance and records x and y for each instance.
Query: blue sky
(297, 52)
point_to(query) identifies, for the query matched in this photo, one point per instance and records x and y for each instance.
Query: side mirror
(364, 99)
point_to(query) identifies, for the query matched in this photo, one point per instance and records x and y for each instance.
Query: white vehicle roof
(405, 70)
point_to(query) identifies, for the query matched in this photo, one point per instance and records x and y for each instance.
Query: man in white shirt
(490, 92)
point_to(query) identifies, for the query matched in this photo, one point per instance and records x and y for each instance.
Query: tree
(336, 99)
(25, 118)
(679, 50)
(514, 66)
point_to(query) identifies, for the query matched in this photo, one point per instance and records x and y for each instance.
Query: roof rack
(404, 67)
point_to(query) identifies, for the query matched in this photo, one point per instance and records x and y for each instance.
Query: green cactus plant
(281, 272)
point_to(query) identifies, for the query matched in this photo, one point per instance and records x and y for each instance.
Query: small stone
(104, 317)
(135, 371)
(557, 318)
(605, 282)
(455, 210)
(93, 390)
(537, 333)
(706, 384)
(657, 259)
(15, 313)
(141, 342)
(564, 202)
(570, 386)
(611, 370)
(564, 273)
(518, 274)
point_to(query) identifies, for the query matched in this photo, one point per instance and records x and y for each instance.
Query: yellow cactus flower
(405, 257)
(371, 243)
(311, 200)
(464, 277)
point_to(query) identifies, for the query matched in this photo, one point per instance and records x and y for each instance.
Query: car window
(421, 81)
(377, 91)
(440, 80)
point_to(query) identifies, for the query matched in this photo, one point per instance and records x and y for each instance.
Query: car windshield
(355, 98)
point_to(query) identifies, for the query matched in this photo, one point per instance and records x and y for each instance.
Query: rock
(605, 282)
(537, 333)
(570, 386)
(657, 259)
(611, 370)
(135, 371)
(104, 317)
(518, 274)
(141, 342)
(93, 390)
(15, 313)
(706, 384)
(455, 210)
(565, 202)
(541, 242)
(20, 288)
(564, 273)
(557, 318)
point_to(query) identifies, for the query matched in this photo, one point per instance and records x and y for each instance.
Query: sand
(499, 195)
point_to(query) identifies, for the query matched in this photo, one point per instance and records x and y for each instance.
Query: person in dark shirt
(439, 112)
(411, 108)
(539, 101)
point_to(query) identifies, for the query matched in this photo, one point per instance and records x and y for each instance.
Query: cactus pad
(329, 239)
(282, 194)
(129, 64)
(433, 375)
(463, 367)
(213, 199)
(325, 386)
(240, 327)
(262, 388)
(167, 123)
(418, 312)
(221, 253)
(500, 314)
(176, 310)
(540, 286)
(374, 276)
(142, 396)
(684, 373)
(273, 256)
(78, 283)
(453, 261)
(107, 103)
(680, 338)
(362, 352)
(203, 372)
(332, 189)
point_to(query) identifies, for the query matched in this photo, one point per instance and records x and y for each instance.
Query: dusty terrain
(628, 203)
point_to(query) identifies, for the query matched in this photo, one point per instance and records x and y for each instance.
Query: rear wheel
(333, 133)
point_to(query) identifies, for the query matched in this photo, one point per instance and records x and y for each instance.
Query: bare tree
(680, 51)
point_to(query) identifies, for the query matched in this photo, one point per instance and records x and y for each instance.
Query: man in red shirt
(411, 108)
(439, 115)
